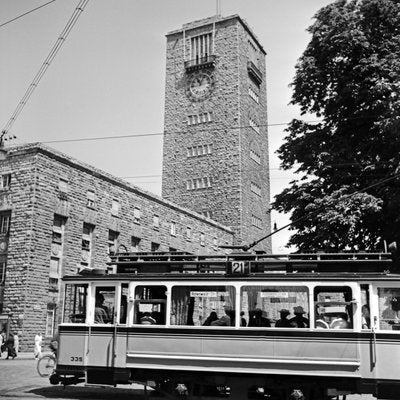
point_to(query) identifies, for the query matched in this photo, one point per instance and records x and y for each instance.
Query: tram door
(386, 329)
(101, 340)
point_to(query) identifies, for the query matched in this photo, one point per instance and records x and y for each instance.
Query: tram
(299, 326)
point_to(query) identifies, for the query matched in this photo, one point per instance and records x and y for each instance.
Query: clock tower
(215, 155)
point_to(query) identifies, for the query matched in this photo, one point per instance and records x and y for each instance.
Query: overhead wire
(45, 65)
(26, 13)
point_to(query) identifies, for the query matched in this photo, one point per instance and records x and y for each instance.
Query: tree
(348, 77)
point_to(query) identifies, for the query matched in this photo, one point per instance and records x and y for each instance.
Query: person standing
(16, 343)
(38, 346)
(10, 347)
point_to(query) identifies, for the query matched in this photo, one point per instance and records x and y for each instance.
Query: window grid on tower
(200, 150)
(255, 156)
(254, 95)
(201, 46)
(254, 125)
(256, 221)
(255, 188)
(201, 118)
(198, 183)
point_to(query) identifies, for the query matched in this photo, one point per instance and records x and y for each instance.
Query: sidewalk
(21, 355)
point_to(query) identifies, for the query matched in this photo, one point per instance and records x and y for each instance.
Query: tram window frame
(150, 311)
(225, 311)
(267, 317)
(79, 304)
(111, 314)
(334, 313)
(388, 318)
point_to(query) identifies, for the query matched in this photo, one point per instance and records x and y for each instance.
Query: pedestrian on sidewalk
(38, 346)
(16, 343)
(10, 348)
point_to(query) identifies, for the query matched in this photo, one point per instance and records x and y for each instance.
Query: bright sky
(108, 79)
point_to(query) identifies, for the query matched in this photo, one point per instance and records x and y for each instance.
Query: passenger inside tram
(299, 321)
(283, 322)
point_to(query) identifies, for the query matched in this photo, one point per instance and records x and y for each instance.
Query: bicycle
(46, 365)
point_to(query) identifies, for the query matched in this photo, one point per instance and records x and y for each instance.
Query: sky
(108, 78)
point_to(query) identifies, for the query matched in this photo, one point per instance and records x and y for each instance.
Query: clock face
(200, 85)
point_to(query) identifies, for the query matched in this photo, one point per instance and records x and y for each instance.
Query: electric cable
(42, 70)
(26, 13)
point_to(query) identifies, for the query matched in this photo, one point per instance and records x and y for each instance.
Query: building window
(49, 321)
(188, 233)
(63, 185)
(156, 222)
(254, 95)
(198, 183)
(253, 53)
(173, 228)
(200, 118)
(155, 246)
(54, 273)
(90, 199)
(136, 215)
(5, 220)
(200, 150)
(215, 243)
(5, 181)
(135, 244)
(87, 241)
(254, 125)
(256, 189)
(3, 268)
(201, 46)
(115, 208)
(256, 221)
(112, 241)
(255, 156)
(202, 239)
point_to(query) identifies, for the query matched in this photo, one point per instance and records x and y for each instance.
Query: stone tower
(215, 156)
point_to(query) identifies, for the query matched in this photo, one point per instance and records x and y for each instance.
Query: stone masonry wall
(36, 173)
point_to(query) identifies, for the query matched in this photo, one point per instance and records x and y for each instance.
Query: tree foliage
(349, 77)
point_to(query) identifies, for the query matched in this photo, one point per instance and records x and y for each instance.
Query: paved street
(20, 380)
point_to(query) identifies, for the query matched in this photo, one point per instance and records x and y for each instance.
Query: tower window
(256, 221)
(112, 241)
(255, 156)
(155, 246)
(254, 95)
(63, 185)
(254, 125)
(201, 46)
(255, 188)
(200, 118)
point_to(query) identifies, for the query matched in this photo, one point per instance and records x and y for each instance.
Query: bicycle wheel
(46, 365)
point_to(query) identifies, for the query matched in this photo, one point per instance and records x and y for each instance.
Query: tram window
(123, 308)
(333, 307)
(365, 308)
(105, 305)
(75, 303)
(274, 306)
(203, 306)
(389, 308)
(150, 305)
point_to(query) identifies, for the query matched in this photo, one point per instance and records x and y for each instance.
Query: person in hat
(283, 322)
(258, 320)
(226, 320)
(298, 321)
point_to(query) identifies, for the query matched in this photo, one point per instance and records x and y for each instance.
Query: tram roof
(189, 266)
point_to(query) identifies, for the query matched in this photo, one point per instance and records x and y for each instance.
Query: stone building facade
(58, 214)
(215, 156)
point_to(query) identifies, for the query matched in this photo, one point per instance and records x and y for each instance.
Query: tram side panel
(277, 352)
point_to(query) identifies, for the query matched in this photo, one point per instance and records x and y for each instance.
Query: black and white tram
(313, 326)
